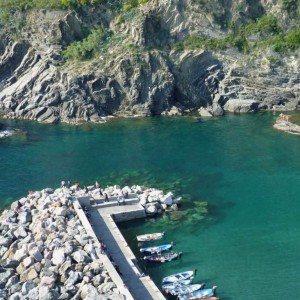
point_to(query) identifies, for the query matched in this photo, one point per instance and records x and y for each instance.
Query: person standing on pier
(106, 197)
(120, 197)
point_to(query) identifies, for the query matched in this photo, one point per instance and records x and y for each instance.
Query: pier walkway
(103, 218)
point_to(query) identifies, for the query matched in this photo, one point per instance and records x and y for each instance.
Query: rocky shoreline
(287, 126)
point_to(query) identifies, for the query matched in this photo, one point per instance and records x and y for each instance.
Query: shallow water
(248, 243)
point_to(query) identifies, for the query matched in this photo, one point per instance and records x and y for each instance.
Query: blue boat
(197, 295)
(171, 285)
(157, 249)
(183, 289)
(179, 276)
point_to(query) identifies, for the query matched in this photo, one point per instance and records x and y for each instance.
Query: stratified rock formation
(137, 69)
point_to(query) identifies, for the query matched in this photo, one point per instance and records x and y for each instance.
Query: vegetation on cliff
(268, 34)
(42, 4)
(254, 33)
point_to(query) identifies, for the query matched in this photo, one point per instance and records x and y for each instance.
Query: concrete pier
(103, 218)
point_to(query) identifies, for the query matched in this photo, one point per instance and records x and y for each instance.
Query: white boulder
(58, 256)
(167, 199)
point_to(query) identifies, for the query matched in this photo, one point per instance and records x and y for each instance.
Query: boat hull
(178, 277)
(163, 257)
(157, 249)
(150, 237)
(171, 285)
(178, 289)
(196, 295)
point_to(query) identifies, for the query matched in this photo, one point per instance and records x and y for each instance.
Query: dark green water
(248, 244)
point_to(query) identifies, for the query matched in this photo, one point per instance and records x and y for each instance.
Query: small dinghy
(197, 295)
(157, 249)
(163, 257)
(171, 285)
(150, 237)
(183, 289)
(179, 276)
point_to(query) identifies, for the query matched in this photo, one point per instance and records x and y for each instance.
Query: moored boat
(171, 285)
(163, 257)
(183, 289)
(150, 237)
(179, 276)
(199, 294)
(157, 249)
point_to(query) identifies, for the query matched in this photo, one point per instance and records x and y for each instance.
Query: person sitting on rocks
(126, 195)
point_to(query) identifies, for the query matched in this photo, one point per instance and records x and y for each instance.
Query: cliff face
(136, 71)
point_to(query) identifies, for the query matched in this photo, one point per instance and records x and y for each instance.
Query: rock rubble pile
(45, 252)
(153, 200)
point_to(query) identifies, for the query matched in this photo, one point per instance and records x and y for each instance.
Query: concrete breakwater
(46, 252)
(49, 250)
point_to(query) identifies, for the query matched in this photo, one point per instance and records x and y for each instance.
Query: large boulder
(151, 209)
(20, 232)
(73, 278)
(5, 274)
(204, 113)
(167, 199)
(58, 256)
(106, 287)
(20, 254)
(81, 256)
(27, 286)
(5, 241)
(28, 261)
(240, 105)
(88, 291)
(24, 217)
(48, 294)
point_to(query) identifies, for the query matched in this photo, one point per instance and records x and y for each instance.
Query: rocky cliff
(145, 66)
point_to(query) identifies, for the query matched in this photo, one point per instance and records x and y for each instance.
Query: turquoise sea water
(248, 244)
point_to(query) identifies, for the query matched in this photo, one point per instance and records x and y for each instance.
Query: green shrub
(127, 7)
(292, 39)
(265, 24)
(120, 19)
(86, 48)
(45, 4)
